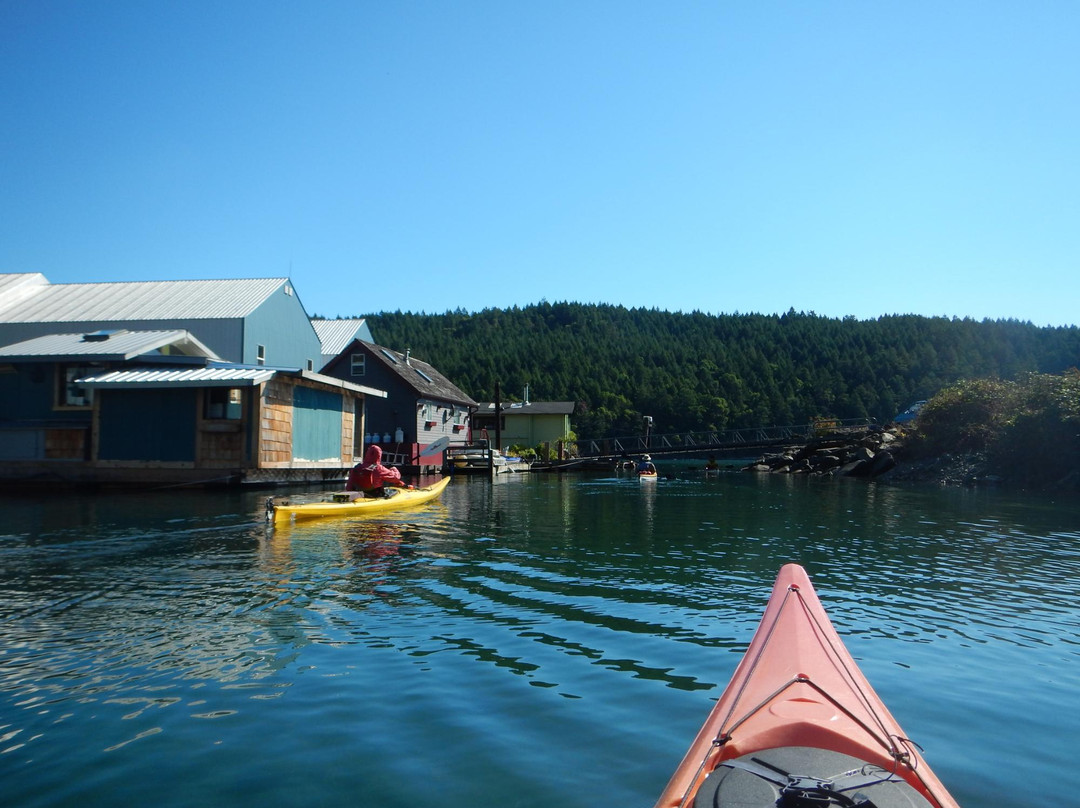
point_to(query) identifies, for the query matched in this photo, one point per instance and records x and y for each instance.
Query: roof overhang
(119, 345)
(335, 382)
(168, 377)
(212, 376)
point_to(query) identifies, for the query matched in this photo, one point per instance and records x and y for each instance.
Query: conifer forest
(696, 371)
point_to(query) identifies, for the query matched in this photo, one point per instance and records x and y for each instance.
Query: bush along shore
(1023, 434)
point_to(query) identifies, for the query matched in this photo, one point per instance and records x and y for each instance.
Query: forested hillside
(704, 372)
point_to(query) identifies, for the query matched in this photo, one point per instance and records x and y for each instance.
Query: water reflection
(176, 623)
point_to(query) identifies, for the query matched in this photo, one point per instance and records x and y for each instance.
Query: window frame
(66, 374)
(232, 410)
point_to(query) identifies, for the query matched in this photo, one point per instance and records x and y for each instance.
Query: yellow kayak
(352, 504)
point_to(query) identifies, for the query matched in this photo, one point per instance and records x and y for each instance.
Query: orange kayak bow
(799, 726)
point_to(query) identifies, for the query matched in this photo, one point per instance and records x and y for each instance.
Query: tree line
(696, 371)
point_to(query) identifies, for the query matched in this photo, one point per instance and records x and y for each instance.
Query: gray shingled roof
(419, 375)
(135, 300)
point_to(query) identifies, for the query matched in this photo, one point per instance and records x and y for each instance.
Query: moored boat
(799, 725)
(352, 503)
(475, 457)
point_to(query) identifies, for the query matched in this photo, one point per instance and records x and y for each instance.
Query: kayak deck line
(802, 678)
(799, 724)
(893, 749)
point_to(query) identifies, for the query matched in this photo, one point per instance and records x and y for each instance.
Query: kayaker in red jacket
(371, 476)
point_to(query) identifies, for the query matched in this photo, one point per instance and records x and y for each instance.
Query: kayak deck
(765, 778)
(799, 717)
(360, 506)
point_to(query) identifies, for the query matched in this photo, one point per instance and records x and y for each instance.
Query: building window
(357, 364)
(310, 365)
(68, 393)
(260, 355)
(224, 403)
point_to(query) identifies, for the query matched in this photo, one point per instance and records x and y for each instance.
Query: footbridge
(728, 442)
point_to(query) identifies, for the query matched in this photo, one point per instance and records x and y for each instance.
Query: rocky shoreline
(875, 453)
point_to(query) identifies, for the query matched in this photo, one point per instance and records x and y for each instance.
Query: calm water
(544, 641)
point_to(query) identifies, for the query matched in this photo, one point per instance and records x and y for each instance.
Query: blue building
(254, 321)
(171, 382)
(158, 408)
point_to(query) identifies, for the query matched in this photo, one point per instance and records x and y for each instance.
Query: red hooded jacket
(372, 474)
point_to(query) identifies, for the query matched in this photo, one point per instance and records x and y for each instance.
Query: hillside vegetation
(710, 372)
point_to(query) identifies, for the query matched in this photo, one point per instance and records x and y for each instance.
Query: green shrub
(1028, 430)
(966, 417)
(1041, 441)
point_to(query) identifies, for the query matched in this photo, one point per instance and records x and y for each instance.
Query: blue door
(316, 425)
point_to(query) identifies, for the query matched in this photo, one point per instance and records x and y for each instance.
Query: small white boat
(473, 457)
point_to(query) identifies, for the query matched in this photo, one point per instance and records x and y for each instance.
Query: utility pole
(498, 432)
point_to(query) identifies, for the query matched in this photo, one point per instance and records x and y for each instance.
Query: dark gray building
(421, 405)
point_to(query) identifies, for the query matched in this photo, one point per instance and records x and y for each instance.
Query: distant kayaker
(371, 477)
(645, 466)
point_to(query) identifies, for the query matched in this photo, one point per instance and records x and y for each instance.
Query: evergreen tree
(699, 372)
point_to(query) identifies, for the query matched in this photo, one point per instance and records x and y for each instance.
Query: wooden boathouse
(157, 408)
(217, 381)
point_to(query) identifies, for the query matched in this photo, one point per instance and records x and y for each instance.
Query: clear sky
(852, 158)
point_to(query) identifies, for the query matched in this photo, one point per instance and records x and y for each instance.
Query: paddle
(434, 448)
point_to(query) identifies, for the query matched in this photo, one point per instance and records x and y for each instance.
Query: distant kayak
(799, 726)
(352, 504)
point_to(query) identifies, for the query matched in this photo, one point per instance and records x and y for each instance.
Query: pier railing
(729, 439)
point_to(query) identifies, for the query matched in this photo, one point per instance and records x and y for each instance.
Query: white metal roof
(224, 375)
(335, 335)
(231, 376)
(336, 382)
(105, 345)
(15, 287)
(529, 408)
(136, 300)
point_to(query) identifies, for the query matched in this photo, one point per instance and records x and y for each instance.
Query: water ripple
(585, 620)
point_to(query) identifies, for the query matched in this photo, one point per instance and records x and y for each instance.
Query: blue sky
(848, 158)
